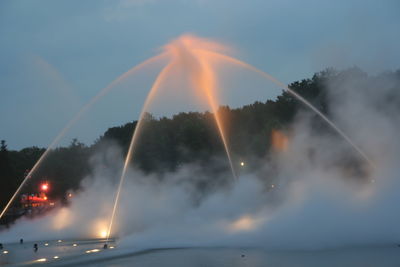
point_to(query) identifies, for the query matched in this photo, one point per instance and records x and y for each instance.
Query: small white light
(55, 257)
(74, 245)
(42, 260)
(5, 252)
(242, 163)
(92, 251)
(59, 241)
(46, 244)
(272, 185)
(111, 247)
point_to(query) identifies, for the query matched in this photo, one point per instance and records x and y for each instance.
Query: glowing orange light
(45, 198)
(279, 141)
(44, 187)
(103, 234)
(244, 223)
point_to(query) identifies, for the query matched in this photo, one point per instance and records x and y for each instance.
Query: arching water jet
(160, 78)
(207, 82)
(75, 119)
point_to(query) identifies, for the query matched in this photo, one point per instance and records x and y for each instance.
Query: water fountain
(196, 56)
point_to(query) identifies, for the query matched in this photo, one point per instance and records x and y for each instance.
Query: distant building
(34, 200)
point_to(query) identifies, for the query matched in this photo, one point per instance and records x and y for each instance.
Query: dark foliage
(166, 143)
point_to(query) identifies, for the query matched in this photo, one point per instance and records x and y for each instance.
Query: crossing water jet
(203, 79)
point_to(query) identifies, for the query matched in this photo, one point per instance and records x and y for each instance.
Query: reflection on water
(49, 251)
(202, 257)
(89, 253)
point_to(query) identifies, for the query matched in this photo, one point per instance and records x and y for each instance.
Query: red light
(44, 187)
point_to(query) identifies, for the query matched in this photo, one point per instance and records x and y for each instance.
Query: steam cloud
(299, 199)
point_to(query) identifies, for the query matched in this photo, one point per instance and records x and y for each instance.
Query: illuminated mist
(297, 199)
(195, 55)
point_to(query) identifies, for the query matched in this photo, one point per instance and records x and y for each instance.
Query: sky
(56, 55)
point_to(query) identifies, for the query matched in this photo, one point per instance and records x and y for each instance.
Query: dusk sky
(56, 55)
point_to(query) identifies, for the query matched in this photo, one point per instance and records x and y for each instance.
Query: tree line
(167, 143)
